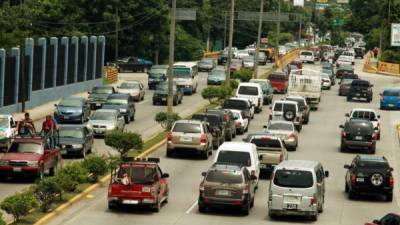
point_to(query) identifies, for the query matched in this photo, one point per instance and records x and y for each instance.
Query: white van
(7, 129)
(186, 76)
(252, 92)
(297, 187)
(307, 56)
(239, 153)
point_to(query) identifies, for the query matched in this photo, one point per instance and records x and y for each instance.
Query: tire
(379, 136)
(346, 188)
(299, 127)
(389, 197)
(175, 102)
(372, 150)
(230, 137)
(127, 119)
(342, 147)
(314, 217)
(247, 128)
(157, 207)
(180, 101)
(234, 133)
(41, 173)
(169, 153)
(133, 117)
(352, 195)
(348, 98)
(204, 155)
(52, 171)
(202, 208)
(289, 115)
(112, 206)
(252, 203)
(246, 209)
(83, 154)
(215, 146)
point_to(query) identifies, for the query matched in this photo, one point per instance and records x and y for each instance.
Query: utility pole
(171, 60)
(22, 74)
(228, 67)
(300, 21)
(278, 31)
(116, 33)
(225, 15)
(260, 19)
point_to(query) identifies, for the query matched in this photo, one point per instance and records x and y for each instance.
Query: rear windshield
(286, 107)
(212, 119)
(360, 83)
(276, 77)
(391, 93)
(372, 165)
(347, 81)
(293, 178)
(235, 104)
(187, 128)
(266, 143)
(234, 157)
(359, 126)
(300, 102)
(248, 90)
(280, 126)
(306, 53)
(366, 115)
(102, 90)
(227, 177)
(139, 175)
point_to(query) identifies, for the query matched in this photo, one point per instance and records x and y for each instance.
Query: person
(376, 51)
(49, 128)
(125, 179)
(26, 126)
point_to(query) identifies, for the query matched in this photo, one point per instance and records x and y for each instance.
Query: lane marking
(142, 102)
(191, 207)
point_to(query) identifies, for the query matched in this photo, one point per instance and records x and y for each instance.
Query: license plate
(291, 199)
(186, 139)
(291, 206)
(130, 202)
(17, 169)
(164, 99)
(360, 179)
(391, 105)
(63, 152)
(98, 104)
(358, 138)
(223, 192)
(66, 117)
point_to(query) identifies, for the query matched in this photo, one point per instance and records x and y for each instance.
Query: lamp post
(171, 60)
(228, 67)
(258, 39)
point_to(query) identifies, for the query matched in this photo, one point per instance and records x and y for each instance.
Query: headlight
(123, 110)
(110, 127)
(77, 146)
(89, 125)
(151, 79)
(33, 163)
(3, 162)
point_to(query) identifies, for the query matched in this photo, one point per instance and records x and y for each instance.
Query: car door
(85, 109)
(131, 105)
(320, 185)
(163, 182)
(48, 156)
(88, 139)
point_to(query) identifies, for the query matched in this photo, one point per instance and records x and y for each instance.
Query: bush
(46, 190)
(234, 83)
(124, 141)
(19, 204)
(95, 165)
(244, 75)
(212, 94)
(66, 182)
(162, 119)
(2, 222)
(75, 171)
(390, 56)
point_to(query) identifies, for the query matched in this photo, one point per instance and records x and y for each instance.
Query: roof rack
(136, 159)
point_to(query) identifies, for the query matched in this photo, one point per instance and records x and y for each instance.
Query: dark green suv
(161, 94)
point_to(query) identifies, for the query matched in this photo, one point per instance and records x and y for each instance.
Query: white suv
(289, 111)
(307, 56)
(252, 92)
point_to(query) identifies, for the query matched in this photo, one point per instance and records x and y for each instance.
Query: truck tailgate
(270, 157)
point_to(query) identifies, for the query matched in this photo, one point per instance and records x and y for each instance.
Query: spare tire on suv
(289, 115)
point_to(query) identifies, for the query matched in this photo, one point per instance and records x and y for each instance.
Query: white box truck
(306, 83)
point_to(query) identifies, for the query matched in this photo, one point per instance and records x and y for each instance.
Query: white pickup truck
(7, 129)
(306, 83)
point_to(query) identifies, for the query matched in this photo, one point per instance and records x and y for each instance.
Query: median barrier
(211, 55)
(110, 74)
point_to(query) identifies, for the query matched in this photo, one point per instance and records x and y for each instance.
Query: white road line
(191, 207)
(143, 102)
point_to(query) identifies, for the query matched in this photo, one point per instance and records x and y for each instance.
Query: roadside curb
(152, 149)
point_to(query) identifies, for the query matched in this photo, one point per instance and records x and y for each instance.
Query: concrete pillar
(54, 42)
(42, 42)
(84, 41)
(29, 45)
(2, 71)
(15, 52)
(65, 42)
(102, 42)
(93, 39)
(75, 43)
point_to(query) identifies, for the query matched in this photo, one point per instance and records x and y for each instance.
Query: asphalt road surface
(317, 141)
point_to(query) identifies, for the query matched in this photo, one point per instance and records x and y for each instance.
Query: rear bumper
(358, 144)
(363, 189)
(390, 105)
(222, 202)
(186, 148)
(143, 201)
(68, 118)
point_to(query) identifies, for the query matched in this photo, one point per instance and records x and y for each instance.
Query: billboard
(395, 34)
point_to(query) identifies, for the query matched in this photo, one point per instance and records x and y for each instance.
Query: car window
(266, 143)
(248, 90)
(70, 133)
(372, 165)
(300, 102)
(391, 93)
(359, 126)
(366, 115)
(117, 101)
(187, 128)
(235, 104)
(278, 107)
(36, 148)
(139, 174)
(306, 53)
(319, 176)
(234, 157)
(212, 119)
(289, 107)
(293, 178)
(70, 103)
(127, 85)
(226, 177)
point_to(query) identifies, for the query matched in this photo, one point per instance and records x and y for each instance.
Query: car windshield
(217, 73)
(212, 119)
(70, 133)
(284, 107)
(70, 103)
(366, 115)
(236, 115)
(139, 174)
(306, 53)
(234, 157)
(347, 81)
(248, 90)
(187, 128)
(156, 73)
(35, 148)
(371, 165)
(206, 61)
(226, 177)
(4, 122)
(280, 126)
(132, 85)
(300, 102)
(116, 101)
(358, 83)
(182, 73)
(293, 178)
(102, 90)
(248, 59)
(327, 71)
(276, 77)
(266, 142)
(103, 116)
(234, 104)
(395, 93)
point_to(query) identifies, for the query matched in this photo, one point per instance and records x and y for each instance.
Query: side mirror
(376, 128)
(55, 105)
(380, 94)
(265, 126)
(347, 166)
(253, 177)
(89, 92)
(379, 116)
(341, 126)
(391, 169)
(326, 173)
(371, 85)
(203, 174)
(165, 175)
(347, 115)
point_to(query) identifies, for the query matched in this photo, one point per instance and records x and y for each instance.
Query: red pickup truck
(138, 183)
(29, 156)
(279, 82)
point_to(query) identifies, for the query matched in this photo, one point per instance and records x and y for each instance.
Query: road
(318, 141)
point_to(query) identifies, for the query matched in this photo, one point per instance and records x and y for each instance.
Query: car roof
(266, 134)
(259, 80)
(374, 158)
(297, 165)
(72, 126)
(119, 95)
(208, 114)
(226, 166)
(240, 99)
(363, 109)
(296, 97)
(107, 110)
(189, 121)
(281, 122)
(237, 146)
(103, 86)
(73, 98)
(391, 89)
(285, 101)
(160, 67)
(249, 84)
(131, 81)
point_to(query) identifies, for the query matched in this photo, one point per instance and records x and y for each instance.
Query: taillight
(344, 134)
(246, 189)
(391, 181)
(313, 200)
(353, 180)
(203, 139)
(292, 136)
(170, 136)
(374, 136)
(201, 188)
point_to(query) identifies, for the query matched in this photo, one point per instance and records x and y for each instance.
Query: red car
(138, 182)
(29, 156)
(279, 82)
(389, 219)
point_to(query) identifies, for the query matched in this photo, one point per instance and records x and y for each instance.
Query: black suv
(360, 89)
(369, 175)
(217, 126)
(358, 134)
(230, 125)
(227, 185)
(359, 52)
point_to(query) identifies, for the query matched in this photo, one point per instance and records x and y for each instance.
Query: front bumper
(68, 118)
(160, 99)
(390, 105)
(310, 211)
(71, 150)
(19, 170)
(186, 89)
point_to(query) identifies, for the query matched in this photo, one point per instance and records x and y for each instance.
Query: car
(359, 53)
(241, 104)
(390, 98)
(134, 88)
(287, 111)
(297, 188)
(104, 121)
(358, 134)
(282, 50)
(344, 86)
(350, 76)
(327, 66)
(134, 64)
(124, 103)
(241, 54)
(75, 140)
(360, 89)
(138, 182)
(303, 106)
(216, 77)
(222, 57)
(349, 55)
(307, 56)
(286, 131)
(262, 58)
(227, 185)
(326, 81)
(343, 69)
(99, 95)
(367, 114)
(242, 123)
(190, 136)
(72, 109)
(331, 75)
(236, 65)
(369, 175)
(156, 75)
(344, 60)
(227, 116)
(388, 219)
(253, 92)
(8, 128)
(160, 95)
(267, 89)
(248, 62)
(30, 156)
(216, 126)
(206, 65)
(186, 76)
(279, 82)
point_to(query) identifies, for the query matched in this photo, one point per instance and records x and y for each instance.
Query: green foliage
(96, 165)
(66, 183)
(2, 222)
(215, 93)
(165, 122)
(244, 75)
(284, 38)
(19, 204)
(124, 141)
(390, 56)
(75, 171)
(46, 191)
(234, 83)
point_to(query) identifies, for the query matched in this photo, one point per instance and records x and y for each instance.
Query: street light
(171, 60)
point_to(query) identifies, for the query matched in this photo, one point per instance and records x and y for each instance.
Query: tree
(95, 165)
(19, 204)
(124, 141)
(165, 122)
(46, 191)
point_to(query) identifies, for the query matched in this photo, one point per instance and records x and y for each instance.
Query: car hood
(69, 109)
(158, 92)
(70, 141)
(216, 78)
(21, 156)
(102, 122)
(106, 106)
(98, 96)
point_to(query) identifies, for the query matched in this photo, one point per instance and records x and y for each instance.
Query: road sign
(267, 16)
(395, 35)
(185, 14)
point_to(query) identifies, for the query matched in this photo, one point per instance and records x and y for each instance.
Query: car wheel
(247, 128)
(157, 206)
(180, 101)
(133, 117)
(342, 147)
(83, 153)
(352, 195)
(314, 217)
(246, 208)
(154, 103)
(389, 197)
(41, 173)
(175, 102)
(348, 98)
(346, 187)
(272, 215)
(127, 119)
(216, 145)
(372, 150)
(252, 202)
(202, 208)
(82, 119)
(112, 206)
(204, 154)
(169, 153)
(379, 136)
(234, 133)
(52, 171)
